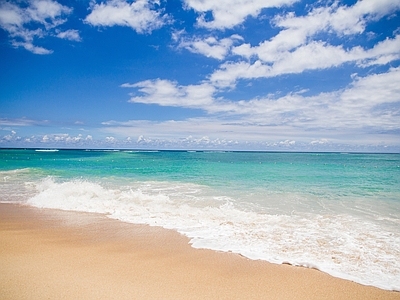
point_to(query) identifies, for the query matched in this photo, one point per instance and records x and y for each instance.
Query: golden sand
(47, 254)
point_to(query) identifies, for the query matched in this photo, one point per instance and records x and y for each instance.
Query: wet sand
(49, 254)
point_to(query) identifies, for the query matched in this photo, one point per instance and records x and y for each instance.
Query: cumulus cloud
(141, 15)
(25, 21)
(188, 142)
(298, 30)
(10, 137)
(315, 55)
(371, 102)
(208, 46)
(110, 140)
(298, 45)
(376, 99)
(71, 35)
(229, 13)
(51, 140)
(169, 93)
(339, 19)
(319, 142)
(64, 139)
(201, 130)
(366, 108)
(237, 134)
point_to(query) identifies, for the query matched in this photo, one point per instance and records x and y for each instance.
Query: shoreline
(70, 255)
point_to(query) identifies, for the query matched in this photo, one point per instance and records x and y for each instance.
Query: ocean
(336, 212)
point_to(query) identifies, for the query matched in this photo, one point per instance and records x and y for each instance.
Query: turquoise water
(337, 212)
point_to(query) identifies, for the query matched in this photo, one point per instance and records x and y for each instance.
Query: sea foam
(342, 245)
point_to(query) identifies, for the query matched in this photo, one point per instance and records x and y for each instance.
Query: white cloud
(138, 15)
(370, 103)
(47, 12)
(349, 20)
(10, 137)
(26, 21)
(312, 56)
(32, 48)
(20, 122)
(45, 139)
(204, 129)
(385, 85)
(319, 142)
(287, 143)
(11, 17)
(71, 35)
(229, 73)
(209, 46)
(168, 93)
(338, 19)
(111, 140)
(298, 46)
(317, 55)
(297, 31)
(60, 139)
(188, 142)
(241, 134)
(229, 13)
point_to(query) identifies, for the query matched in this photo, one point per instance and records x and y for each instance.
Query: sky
(269, 75)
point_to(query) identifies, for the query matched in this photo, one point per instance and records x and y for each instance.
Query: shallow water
(336, 212)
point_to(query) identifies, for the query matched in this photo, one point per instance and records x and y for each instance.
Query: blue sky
(290, 75)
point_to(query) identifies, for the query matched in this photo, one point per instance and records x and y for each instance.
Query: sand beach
(51, 254)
